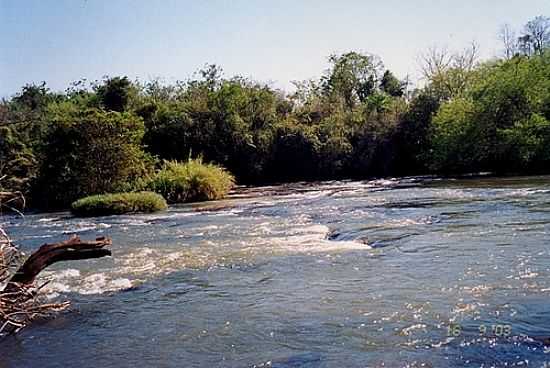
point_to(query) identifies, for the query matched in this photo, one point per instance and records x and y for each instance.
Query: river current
(414, 272)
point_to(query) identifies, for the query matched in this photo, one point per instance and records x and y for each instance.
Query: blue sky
(277, 41)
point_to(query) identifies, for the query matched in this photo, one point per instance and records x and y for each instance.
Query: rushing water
(332, 274)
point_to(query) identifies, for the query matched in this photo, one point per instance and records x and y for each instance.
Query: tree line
(357, 120)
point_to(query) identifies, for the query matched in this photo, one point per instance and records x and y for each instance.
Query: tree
(23, 125)
(527, 143)
(449, 73)
(352, 77)
(391, 85)
(536, 35)
(455, 147)
(525, 45)
(17, 161)
(33, 96)
(89, 152)
(500, 123)
(115, 93)
(509, 41)
(412, 138)
(211, 75)
(295, 153)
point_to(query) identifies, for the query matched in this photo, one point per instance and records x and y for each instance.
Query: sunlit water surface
(331, 274)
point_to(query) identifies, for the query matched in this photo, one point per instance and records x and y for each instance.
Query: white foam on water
(224, 212)
(147, 263)
(55, 276)
(99, 283)
(408, 330)
(326, 246)
(49, 219)
(67, 281)
(209, 227)
(262, 229)
(398, 223)
(85, 226)
(383, 182)
(309, 195)
(298, 235)
(525, 192)
(57, 287)
(455, 194)
(69, 273)
(526, 274)
(135, 222)
(121, 284)
(150, 218)
(37, 237)
(313, 239)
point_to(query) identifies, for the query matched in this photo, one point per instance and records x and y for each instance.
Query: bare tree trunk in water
(20, 301)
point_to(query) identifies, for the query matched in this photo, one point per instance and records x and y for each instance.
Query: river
(414, 272)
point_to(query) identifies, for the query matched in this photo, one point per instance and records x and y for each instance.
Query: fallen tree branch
(69, 250)
(20, 302)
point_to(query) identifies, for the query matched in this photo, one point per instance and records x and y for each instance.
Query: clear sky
(59, 41)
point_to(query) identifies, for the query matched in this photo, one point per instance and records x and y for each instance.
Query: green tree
(455, 147)
(17, 161)
(498, 124)
(115, 93)
(90, 152)
(526, 144)
(295, 153)
(391, 85)
(352, 77)
(413, 136)
(23, 126)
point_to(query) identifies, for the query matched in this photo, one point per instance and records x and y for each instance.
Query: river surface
(408, 272)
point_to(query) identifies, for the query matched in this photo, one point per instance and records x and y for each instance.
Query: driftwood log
(20, 302)
(69, 250)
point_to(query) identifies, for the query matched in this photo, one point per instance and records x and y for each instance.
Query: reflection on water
(332, 274)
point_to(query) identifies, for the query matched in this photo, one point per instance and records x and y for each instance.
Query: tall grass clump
(191, 181)
(118, 203)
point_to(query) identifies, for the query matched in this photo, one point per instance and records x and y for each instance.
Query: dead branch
(69, 250)
(20, 301)
(8, 257)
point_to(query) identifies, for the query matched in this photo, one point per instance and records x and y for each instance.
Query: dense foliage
(87, 152)
(500, 123)
(118, 203)
(357, 121)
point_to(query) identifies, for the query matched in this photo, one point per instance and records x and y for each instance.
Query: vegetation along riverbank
(358, 120)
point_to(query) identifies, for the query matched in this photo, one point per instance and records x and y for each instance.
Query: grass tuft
(191, 181)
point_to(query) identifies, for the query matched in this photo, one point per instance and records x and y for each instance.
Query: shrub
(191, 181)
(118, 203)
